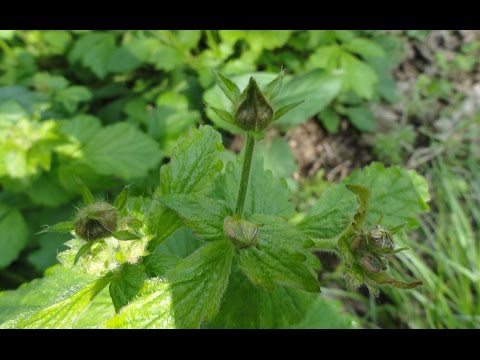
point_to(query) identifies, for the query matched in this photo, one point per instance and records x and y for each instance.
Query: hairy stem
(247, 163)
(326, 244)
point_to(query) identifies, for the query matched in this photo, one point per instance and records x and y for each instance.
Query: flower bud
(96, 221)
(242, 233)
(372, 263)
(381, 238)
(253, 112)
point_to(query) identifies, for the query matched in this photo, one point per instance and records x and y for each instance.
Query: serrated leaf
(72, 96)
(248, 307)
(100, 310)
(203, 215)
(271, 264)
(190, 295)
(14, 234)
(127, 284)
(159, 264)
(265, 194)
(94, 51)
(193, 166)
(62, 314)
(81, 127)
(122, 150)
(181, 243)
(31, 297)
(393, 195)
(277, 258)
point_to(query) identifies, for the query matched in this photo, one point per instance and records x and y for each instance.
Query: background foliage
(109, 106)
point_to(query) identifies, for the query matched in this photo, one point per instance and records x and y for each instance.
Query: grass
(445, 255)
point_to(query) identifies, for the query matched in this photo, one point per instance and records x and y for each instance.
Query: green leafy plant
(109, 107)
(214, 246)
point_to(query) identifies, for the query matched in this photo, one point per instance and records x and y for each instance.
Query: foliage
(243, 257)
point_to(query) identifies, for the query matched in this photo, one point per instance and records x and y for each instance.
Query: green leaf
(127, 284)
(47, 83)
(246, 306)
(277, 157)
(285, 109)
(125, 235)
(64, 226)
(397, 196)
(83, 250)
(159, 264)
(265, 194)
(31, 297)
(222, 114)
(71, 97)
(94, 51)
(330, 120)
(190, 295)
(13, 234)
(229, 88)
(203, 215)
(87, 195)
(326, 314)
(62, 314)
(257, 39)
(364, 47)
(316, 88)
(81, 128)
(358, 76)
(193, 166)
(362, 118)
(272, 89)
(121, 199)
(57, 40)
(277, 258)
(181, 243)
(100, 310)
(47, 191)
(121, 150)
(324, 57)
(7, 34)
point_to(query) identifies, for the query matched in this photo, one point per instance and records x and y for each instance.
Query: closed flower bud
(96, 221)
(381, 238)
(253, 112)
(242, 233)
(372, 263)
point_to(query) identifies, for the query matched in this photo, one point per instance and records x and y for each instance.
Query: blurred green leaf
(362, 118)
(14, 234)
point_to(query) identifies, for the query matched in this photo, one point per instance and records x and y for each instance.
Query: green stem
(247, 163)
(326, 244)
